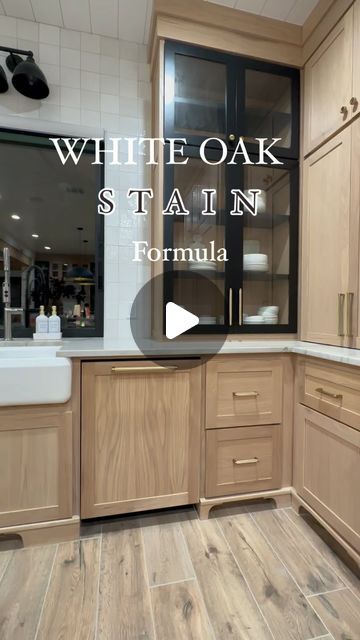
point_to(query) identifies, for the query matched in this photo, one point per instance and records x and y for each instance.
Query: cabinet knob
(354, 103)
(344, 110)
(232, 137)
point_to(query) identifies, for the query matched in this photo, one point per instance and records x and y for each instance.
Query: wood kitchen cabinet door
(326, 242)
(140, 436)
(328, 85)
(35, 465)
(327, 470)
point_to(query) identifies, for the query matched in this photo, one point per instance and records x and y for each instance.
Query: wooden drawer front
(328, 474)
(242, 460)
(243, 392)
(332, 391)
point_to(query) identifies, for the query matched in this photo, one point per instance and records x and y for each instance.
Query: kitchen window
(49, 221)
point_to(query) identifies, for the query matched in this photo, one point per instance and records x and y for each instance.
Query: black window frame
(18, 136)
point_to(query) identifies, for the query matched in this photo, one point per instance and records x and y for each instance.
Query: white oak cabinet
(140, 436)
(36, 475)
(327, 470)
(330, 241)
(331, 82)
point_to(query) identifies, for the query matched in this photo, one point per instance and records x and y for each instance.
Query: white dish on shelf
(254, 320)
(256, 267)
(270, 319)
(202, 266)
(207, 320)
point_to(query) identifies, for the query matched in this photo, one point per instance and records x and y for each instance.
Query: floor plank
(179, 612)
(167, 558)
(124, 599)
(338, 566)
(285, 608)
(340, 611)
(311, 572)
(71, 601)
(232, 610)
(22, 591)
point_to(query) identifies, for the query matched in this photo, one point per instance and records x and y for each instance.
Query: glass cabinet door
(269, 249)
(269, 100)
(201, 236)
(197, 94)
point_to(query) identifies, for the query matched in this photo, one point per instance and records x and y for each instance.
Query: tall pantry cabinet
(331, 188)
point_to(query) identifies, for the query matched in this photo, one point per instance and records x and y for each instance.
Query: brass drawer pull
(143, 369)
(240, 307)
(249, 461)
(336, 396)
(349, 311)
(341, 303)
(245, 394)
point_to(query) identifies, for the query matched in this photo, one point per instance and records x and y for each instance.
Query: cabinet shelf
(262, 275)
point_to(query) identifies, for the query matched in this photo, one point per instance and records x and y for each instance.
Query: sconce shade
(29, 80)
(3, 81)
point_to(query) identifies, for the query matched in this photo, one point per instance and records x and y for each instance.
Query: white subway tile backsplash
(70, 115)
(69, 39)
(70, 58)
(109, 103)
(90, 42)
(109, 65)
(70, 97)
(109, 84)
(28, 30)
(49, 53)
(90, 118)
(70, 77)
(101, 83)
(90, 81)
(49, 34)
(109, 47)
(90, 100)
(8, 26)
(90, 61)
(29, 45)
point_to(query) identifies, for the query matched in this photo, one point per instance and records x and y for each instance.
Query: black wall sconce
(27, 77)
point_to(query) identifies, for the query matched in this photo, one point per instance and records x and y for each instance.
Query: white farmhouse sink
(33, 375)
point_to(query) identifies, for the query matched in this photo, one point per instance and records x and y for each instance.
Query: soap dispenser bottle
(54, 322)
(42, 322)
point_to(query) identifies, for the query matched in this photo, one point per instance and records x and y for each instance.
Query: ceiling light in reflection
(15, 216)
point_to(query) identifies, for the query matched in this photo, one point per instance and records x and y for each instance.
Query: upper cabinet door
(326, 242)
(268, 103)
(328, 89)
(199, 96)
(355, 97)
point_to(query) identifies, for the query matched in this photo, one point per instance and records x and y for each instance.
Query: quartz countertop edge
(103, 348)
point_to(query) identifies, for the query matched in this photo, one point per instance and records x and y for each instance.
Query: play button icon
(178, 320)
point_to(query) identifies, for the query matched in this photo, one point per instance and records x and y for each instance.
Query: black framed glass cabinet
(219, 96)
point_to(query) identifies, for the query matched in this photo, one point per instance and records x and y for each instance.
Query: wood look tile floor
(248, 573)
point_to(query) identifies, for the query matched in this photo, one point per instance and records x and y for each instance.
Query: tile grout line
(167, 584)
(345, 581)
(287, 570)
(196, 578)
(322, 622)
(11, 555)
(325, 593)
(147, 580)
(46, 592)
(222, 533)
(98, 587)
(282, 561)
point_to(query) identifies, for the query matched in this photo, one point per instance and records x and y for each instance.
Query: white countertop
(104, 348)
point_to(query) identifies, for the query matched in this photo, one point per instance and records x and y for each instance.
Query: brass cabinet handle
(230, 306)
(349, 312)
(354, 103)
(143, 369)
(232, 137)
(344, 111)
(341, 301)
(248, 461)
(335, 396)
(240, 306)
(245, 394)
